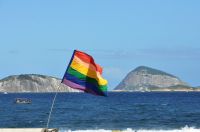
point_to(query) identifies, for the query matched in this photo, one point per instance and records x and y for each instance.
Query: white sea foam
(184, 129)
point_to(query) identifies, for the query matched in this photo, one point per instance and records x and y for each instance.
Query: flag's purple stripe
(73, 85)
(84, 83)
(76, 86)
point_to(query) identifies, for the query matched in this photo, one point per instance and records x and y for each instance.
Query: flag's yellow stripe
(88, 72)
(85, 64)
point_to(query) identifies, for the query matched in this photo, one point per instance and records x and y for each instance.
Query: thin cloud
(13, 52)
(157, 53)
(178, 53)
(160, 53)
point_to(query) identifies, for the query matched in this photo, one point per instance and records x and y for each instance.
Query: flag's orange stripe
(88, 59)
(87, 65)
(88, 72)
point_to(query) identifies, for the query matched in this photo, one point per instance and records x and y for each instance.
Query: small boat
(22, 101)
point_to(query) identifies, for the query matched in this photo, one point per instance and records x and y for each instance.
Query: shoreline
(162, 90)
(113, 91)
(27, 130)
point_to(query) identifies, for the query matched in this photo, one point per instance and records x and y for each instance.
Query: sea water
(125, 111)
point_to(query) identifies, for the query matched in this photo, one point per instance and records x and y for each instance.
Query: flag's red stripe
(88, 59)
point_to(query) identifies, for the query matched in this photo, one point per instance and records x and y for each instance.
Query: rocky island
(32, 83)
(144, 78)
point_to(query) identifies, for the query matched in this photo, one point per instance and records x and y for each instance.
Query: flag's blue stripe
(69, 65)
(84, 83)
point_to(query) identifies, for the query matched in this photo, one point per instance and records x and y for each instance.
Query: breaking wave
(184, 129)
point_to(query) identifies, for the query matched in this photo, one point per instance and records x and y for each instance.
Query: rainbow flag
(84, 74)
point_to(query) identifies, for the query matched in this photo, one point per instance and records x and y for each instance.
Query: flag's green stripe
(83, 77)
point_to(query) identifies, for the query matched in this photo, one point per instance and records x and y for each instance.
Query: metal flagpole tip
(50, 130)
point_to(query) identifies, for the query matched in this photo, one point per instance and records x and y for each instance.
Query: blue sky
(39, 36)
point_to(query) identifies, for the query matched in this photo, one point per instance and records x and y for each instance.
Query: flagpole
(58, 88)
(52, 105)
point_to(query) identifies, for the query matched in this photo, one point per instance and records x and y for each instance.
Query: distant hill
(144, 78)
(32, 83)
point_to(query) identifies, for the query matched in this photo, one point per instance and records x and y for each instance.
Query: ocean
(125, 111)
